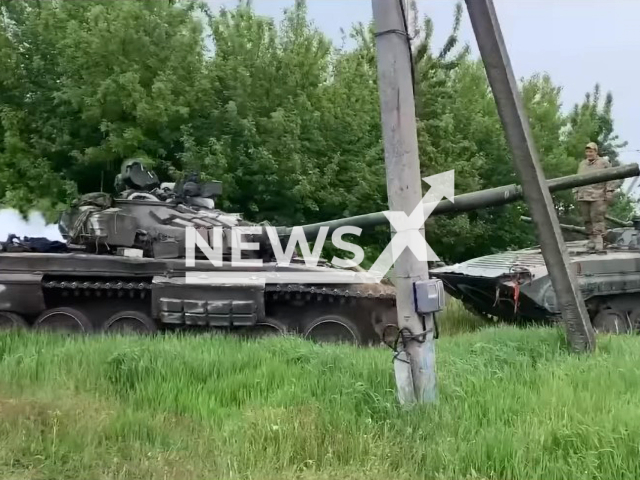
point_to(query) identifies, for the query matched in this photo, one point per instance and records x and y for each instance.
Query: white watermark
(217, 241)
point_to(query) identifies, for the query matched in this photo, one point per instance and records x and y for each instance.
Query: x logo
(408, 228)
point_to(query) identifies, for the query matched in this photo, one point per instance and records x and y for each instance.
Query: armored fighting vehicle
(125, 266)
(515, 286)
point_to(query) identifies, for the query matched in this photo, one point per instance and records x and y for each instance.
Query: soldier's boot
(588, 227)
(599, 243)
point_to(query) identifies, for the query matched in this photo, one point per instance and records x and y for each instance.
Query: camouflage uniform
(593, 200)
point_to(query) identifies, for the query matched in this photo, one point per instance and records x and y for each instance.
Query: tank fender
(176, 300)
(22, 293)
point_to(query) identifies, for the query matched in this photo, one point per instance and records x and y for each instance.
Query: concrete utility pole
(525, 157)
(417, 383)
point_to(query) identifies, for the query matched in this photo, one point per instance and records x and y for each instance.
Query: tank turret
(146, 215)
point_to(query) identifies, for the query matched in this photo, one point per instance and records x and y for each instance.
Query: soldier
(593, 200)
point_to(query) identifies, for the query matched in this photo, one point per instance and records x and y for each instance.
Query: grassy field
(512, 404)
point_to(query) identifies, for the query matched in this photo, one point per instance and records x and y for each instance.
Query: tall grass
(456, 319)
(512, 404)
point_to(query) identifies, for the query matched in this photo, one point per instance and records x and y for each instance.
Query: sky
(578, 42)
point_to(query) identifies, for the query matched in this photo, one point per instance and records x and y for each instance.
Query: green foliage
(288, 121)
(511, 404)
(623, 207)
(591, 121)
(87, 84)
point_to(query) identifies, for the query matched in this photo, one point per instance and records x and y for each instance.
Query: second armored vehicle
(515, 286)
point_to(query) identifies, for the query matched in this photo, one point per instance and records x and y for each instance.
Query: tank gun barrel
(568, 228)
(617, 221)
(477, 200)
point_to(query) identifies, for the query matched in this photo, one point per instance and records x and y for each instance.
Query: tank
(124, 267)
(515, 286)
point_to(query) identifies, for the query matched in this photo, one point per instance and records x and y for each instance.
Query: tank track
(319, 292)
(97, 286)
(332, 292)
(290, 307)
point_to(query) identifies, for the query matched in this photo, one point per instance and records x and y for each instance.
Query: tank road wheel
(332, 329)
(130, 322)
(611, 321)
(12, 321)
(269, 327)
(63, 319)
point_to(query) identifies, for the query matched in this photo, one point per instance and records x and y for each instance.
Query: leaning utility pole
(415, 362)
(525, 157)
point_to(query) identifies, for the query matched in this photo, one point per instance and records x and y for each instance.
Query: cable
(404, 335)
(405, 34)
(406, 31)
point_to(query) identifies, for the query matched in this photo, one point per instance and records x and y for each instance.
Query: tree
(88, 84)
(289, 122)
(592, 121)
